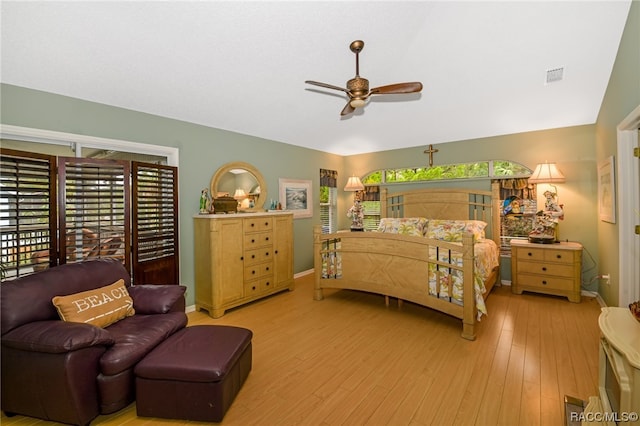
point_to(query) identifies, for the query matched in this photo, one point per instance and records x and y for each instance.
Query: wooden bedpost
(495, 211)
(468, 296)
(317, 261)
(383, 202)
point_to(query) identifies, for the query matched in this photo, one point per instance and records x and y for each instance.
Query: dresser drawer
(258, 239)
(546, 269)
(551, 283)
(258, 224)
(261, 285)
(259, 270)
(257, 255)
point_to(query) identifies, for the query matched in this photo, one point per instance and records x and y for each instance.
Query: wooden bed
(400, 266)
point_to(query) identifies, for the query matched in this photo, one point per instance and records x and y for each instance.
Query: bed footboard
(432, 273)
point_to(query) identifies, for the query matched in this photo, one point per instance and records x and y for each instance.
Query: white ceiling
(241, 66)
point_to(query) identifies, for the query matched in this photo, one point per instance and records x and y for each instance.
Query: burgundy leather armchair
(71, 372)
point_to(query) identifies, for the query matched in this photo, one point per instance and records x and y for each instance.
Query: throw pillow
(100, 307)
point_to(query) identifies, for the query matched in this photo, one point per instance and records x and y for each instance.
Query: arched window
(478, 170)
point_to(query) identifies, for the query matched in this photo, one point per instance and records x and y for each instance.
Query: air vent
(554, 75)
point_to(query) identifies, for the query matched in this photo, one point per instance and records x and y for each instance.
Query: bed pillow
(100, 307)
(415, 226)
(452, 230)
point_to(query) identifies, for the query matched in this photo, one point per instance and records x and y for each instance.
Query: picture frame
(607, 190)
(296, 196)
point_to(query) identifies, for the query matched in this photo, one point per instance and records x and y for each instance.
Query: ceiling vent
(554, 75)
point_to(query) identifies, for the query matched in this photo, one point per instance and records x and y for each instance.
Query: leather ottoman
(195, 374)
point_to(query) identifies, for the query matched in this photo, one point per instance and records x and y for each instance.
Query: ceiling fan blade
(348, 109)
(412, 87)
(327, 86)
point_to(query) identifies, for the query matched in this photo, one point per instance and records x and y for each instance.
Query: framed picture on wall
(607, 190)
(295, 196)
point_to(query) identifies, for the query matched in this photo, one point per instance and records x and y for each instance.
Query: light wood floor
(348, 360)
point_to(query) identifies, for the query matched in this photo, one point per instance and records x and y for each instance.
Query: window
(482, 169)
(508, 171)
(371, 205)
(328, 200)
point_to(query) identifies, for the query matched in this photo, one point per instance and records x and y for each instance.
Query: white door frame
(628, 196)
(60, 138)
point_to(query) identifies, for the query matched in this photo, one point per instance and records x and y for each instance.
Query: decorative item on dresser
(355, 212)
(240, 258)
(546, 268)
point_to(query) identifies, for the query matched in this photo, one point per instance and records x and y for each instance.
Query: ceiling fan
(358, 87)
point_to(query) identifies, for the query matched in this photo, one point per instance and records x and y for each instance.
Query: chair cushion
(136, 336)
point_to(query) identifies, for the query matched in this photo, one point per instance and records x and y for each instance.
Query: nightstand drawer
(552, 283)
(530, 254)
(560, 256)
(546, 269)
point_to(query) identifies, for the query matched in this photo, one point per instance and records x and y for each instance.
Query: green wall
(621, 98)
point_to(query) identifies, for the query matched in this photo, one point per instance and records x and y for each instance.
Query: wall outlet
(605, 277)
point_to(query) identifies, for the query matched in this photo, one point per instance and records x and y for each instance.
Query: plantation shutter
(94, 209)
(371, 206)
(27, 212)
(328, 200)
(155, 224)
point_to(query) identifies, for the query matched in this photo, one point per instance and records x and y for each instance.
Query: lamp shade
(546, 173)
(354, 184)
(240, 194)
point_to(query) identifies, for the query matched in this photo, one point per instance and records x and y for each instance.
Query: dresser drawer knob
(559, 256)
(266, 254)
(253, 241)
(266, 239)
(544, 268)
(266, 224)
(253, 272)
(253, 256)
(544, 283)
(253, 224)
(268, 283)
(529, 254)
(253, 288)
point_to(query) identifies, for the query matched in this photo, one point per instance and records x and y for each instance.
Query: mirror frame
(215, 179)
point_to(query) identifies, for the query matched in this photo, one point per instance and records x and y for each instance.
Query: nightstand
(547, 268)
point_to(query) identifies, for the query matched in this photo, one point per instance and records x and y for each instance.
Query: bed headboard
(446, 203)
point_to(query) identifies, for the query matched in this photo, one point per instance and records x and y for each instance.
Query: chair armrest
(157, 299)
(56, 337)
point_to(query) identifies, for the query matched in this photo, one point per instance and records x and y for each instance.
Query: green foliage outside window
(480, 169)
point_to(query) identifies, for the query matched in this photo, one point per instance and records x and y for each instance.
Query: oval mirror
(241, 181)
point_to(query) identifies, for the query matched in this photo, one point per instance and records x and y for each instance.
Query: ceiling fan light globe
(357, 103)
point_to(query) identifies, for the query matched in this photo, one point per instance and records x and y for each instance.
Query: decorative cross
(430, 151)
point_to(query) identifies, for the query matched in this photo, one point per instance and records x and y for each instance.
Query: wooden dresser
(547, 268)
(240, 258)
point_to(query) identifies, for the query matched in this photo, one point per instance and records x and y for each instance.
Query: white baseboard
(303, 273)
(192, 308)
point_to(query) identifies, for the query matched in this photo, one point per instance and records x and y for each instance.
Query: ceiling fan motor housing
(358, 87)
